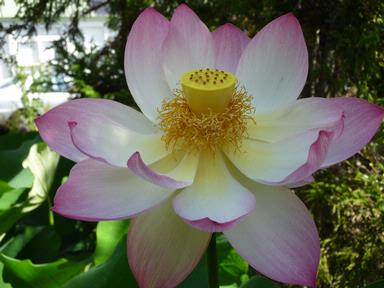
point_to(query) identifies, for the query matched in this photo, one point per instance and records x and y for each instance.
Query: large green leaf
(23, 273)
(114, 272)
(108, 235)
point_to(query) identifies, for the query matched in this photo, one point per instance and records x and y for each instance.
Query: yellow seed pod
(208, 90)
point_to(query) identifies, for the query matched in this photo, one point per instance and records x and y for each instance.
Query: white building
(35, 51)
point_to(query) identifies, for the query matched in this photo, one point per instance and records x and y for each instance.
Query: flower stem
(50, 213)
(213, 277)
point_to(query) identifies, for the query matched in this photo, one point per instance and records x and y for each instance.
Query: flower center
(209, 113)
(208, 90)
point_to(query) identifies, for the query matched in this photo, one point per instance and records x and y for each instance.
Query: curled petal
(274, 65)
(103, 139)
(143, 71)
(316, 156)
(180, 176)
(214, 195)
(279, 238)
(189, 45)
(229, 42)
(298, 117)
(162, 249)
(283, 162)
(362, 120)
(276, 131)
(55, 131)
(96, 191)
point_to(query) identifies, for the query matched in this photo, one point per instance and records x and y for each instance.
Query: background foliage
(345, 40)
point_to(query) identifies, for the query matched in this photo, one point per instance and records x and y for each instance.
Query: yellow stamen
(208, 90)
(206, 118)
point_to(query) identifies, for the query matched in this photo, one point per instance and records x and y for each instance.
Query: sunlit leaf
(108, 235)
(9, 198)
(24, 179)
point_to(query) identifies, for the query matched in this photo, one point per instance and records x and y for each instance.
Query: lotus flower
(220, 140)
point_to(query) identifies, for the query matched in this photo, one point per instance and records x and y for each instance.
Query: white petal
(229, 42)
(215, 194)
(274, 65)
(189, 45)
(143, 71)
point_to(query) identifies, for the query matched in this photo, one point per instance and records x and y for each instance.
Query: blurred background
(55, 50)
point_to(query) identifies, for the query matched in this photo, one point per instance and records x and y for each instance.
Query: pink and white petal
(361, 122)
(284, 162)
(279, 238)
(301, 183)
(143, 70)
(105, 140)
(214, 195)
(296, 118)
(162, 249)
(179, 176)
(189, 45)
(274, 65)
(229, 42)
(55, 131)
(96, 191)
